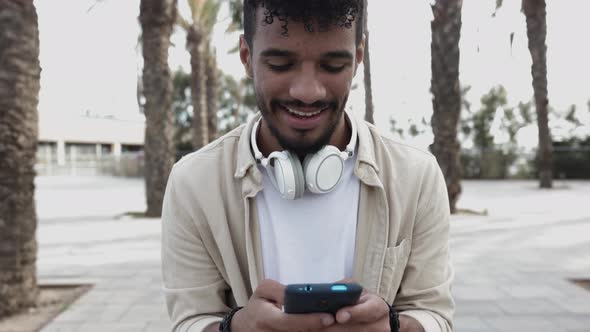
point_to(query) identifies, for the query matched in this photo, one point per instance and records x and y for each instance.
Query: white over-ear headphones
(321, 172)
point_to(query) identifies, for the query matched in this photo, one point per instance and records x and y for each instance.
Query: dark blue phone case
(308, 298)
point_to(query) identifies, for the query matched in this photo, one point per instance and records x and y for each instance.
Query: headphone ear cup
(288, 176)
(299, 177)
(323, 170)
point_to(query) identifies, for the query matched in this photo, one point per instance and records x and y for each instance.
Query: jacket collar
(245, 157)
(366, 145)
(365, 150)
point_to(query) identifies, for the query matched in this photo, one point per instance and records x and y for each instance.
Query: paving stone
(470, 323)
(523, 291)
(154, 297)
(96, 297)
(123, 296)
(158, 327)
(77, 314)
(468, 278)
(529, 323)
(145, 313)
(113, 327)
(116, 273)
(475, 293)
(539, 307)
(573, 322)
(575, 305)
(61, 327)
(477, 308)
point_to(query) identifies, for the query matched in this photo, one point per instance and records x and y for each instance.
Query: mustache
(300, 104)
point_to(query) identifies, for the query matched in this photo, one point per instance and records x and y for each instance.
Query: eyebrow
(338, 55)
(275, 52)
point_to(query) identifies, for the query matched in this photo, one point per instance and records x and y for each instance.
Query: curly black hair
(314, 14)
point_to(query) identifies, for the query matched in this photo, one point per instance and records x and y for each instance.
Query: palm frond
(182, 22)
(498, 6)
(193, 6)
(210, 13)
(196, 7)
(236, 9)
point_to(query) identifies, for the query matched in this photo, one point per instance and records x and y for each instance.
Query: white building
(87, 143)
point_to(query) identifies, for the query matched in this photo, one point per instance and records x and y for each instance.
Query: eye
(279, 67)
(333, 69)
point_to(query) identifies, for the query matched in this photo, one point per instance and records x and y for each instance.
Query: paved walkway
(512, 266)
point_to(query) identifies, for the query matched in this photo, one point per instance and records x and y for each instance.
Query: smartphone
(309, 298)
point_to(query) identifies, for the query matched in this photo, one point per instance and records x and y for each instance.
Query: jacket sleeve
(193, 286)
(425, 291)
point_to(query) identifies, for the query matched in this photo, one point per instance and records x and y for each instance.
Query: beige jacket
(211, 252)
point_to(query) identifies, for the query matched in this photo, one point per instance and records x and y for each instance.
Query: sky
(91, 61)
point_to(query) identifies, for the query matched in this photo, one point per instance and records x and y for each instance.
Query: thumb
(271, 290)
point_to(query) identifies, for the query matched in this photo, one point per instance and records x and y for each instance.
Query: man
(305, 193)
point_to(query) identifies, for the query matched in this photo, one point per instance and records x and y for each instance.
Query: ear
(246, 56)
(360, 53)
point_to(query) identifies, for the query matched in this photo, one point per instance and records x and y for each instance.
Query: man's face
(302, 81)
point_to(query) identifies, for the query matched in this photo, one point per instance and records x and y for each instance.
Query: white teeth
(302, 113)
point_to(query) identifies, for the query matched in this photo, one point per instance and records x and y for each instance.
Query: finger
(364, 292)
(269, 306)
(370, 309)
(271, 290)
(296, 322)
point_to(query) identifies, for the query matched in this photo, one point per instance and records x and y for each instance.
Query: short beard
(296, 147)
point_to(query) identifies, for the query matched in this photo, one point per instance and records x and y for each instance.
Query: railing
(128, 164)
(568, 163)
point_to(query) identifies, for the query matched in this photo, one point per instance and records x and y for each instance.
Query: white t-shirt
(311, 239)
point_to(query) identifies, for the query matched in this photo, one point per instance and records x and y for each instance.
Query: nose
(307, 88)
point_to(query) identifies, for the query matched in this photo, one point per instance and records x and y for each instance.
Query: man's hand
(370, 314)
(263, 313)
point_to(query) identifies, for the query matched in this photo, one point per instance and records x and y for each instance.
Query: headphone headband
(257, 154)
(353, 137)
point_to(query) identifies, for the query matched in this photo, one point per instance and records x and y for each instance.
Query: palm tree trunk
(212, 94)
(446, 90)
(157, 18)
(239, 102)
(198, 87)
(535, 12)
(19, 96)
(367, 72)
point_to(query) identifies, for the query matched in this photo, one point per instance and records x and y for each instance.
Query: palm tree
(212, 75)
(199, 29)
(367, 71)
(157, 19)
(446, 90)
(536, 23)
(19, 95)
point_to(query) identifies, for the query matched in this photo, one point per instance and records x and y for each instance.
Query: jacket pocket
(394, 266)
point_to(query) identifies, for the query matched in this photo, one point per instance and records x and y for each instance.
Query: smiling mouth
(302, 114)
